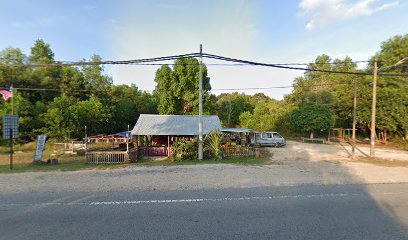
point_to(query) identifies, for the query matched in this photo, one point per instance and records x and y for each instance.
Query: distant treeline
(85, 96)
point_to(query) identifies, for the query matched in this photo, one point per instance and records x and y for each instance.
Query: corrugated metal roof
(237, 130)
(186, 125)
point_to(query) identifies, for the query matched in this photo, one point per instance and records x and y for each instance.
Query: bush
(212, 143)
(184, 149)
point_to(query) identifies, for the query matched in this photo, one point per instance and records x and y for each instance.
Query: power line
(296, 68)
(121, 62)
(215, 89)
(277, 87)
(193, 55)
(80, 63)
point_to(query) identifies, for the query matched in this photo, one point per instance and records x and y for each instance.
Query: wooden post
(113, 143)
(168, 146)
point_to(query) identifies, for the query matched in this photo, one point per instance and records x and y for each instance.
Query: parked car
(271, 139)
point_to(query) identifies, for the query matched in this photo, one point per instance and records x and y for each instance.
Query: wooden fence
(238, 151)
(111, 157)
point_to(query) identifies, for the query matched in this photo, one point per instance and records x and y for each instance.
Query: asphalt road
(298, 212)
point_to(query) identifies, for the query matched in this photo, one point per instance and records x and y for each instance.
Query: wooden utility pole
(200, 108)
(373, 111)
(353, 149)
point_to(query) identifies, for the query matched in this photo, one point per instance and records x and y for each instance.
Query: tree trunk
(385, 136)
(406, 136)
(311, 134)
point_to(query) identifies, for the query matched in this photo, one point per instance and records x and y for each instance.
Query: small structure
(114, 148)
(237, 142)
(340, 134)
(156, 133)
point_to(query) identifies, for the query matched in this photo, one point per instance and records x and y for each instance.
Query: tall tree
(12, 75)
(311, 117)
(41, 52)
(177, 88)
(231, 106)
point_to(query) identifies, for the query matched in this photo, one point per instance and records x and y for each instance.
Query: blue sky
(261, 30)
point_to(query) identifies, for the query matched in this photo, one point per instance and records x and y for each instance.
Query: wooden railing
(155, 151)
(107, 157)
(313, 140)
(237, 151)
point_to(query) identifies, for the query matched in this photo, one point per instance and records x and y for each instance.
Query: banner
(40, 147)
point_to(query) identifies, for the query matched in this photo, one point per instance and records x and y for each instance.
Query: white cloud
(323, 12)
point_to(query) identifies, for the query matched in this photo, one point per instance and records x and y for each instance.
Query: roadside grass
(238, 160)
(23, 163)
(382, 162)
(66, 163)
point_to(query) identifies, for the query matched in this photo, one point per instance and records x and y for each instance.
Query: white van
(272, 139)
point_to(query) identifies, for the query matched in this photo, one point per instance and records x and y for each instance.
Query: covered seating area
(155, 134)
(237, 142)
(114, 148)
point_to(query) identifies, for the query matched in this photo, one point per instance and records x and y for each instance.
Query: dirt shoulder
(294, 164)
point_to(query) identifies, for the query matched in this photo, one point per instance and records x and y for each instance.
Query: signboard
(40, 147)
(10, 122)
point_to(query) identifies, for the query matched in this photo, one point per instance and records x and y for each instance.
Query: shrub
(212, 143)
(184, 149)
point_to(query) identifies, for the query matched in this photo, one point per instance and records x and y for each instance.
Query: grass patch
(382, 162)
(235, 160)
(23, 163)
(66, 163)
(19, 148)
(168, 162)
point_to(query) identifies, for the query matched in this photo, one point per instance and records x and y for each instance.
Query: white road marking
(223, 199)
(192, 200)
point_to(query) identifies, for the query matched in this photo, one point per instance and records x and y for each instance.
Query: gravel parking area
(295, 164)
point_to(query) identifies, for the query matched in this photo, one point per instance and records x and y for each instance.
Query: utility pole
(373, 110)
(353, 149)
(200, 108)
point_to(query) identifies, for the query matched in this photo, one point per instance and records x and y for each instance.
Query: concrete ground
(297, 163)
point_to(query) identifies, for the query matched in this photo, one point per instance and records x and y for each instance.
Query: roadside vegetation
(23, 161)
(82, 100)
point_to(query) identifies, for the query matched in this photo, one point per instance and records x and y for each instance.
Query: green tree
(41, 52)
(59, 122)
(311, 117)
(177, 88)
(12, 75)
(90, 113)
(127, 103)
(231, 106)
(247, 120)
